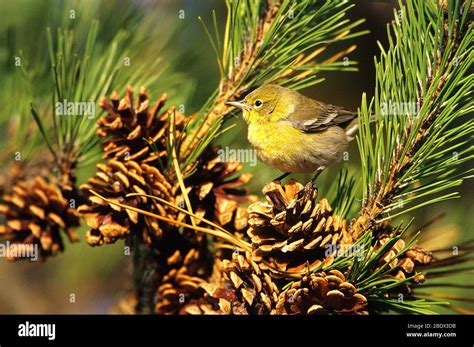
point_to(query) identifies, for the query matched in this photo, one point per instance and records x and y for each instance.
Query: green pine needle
(422, 150)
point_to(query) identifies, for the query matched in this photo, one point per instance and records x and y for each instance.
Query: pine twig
(395, 173)
(230, 86)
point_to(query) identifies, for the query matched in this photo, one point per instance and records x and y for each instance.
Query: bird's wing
(315, 116)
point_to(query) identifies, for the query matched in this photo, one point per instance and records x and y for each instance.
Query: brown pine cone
(180, 290)
(114, 181)
(293, 230)
(126, 126)
(405, 265)
(245, 288)
(36, 212)
(214, 187)
(321, 293)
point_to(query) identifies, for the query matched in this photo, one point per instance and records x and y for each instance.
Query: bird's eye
(258, 103)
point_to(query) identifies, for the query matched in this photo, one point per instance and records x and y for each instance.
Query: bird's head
(267, 103)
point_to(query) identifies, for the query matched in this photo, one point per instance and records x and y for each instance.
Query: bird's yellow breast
(278, 144)
(288, 149)
(273, 137)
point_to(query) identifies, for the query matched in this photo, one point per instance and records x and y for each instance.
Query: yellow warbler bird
(294, 133)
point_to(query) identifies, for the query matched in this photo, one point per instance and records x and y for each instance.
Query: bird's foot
(317, 173)
(279, 178)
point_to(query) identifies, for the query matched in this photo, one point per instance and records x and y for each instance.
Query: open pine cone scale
(294, 230)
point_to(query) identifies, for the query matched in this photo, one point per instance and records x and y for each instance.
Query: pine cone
(180, 290)
(213, 187)
(216, 190)
(132, 168)
(293, 230)
(126, 126)
(319, 293)
(405, 265)
(36, 212)
(245, 288)
(114, 181)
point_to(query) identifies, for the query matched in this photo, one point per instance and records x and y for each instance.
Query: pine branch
(269, 41)
(144, 276)
(82, 72)
(408, 159)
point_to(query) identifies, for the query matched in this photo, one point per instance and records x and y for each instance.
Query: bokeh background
(99, 277)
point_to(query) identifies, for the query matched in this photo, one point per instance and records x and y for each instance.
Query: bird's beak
(240, 104)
